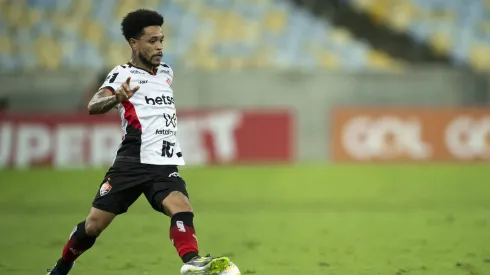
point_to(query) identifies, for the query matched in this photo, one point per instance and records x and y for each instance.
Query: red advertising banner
(206, 137)
(410, 134)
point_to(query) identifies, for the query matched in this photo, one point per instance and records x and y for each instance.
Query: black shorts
(124, 182)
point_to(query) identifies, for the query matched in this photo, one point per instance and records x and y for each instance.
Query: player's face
(149, 46)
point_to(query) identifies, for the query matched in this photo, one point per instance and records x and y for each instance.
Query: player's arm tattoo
(102, 102)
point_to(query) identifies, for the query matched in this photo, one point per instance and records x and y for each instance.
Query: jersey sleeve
(114, 79)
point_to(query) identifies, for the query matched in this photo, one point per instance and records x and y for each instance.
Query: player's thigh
(166, 183)
(122, 185)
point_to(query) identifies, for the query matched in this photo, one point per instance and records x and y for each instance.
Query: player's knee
(95, 225)
(176, 202)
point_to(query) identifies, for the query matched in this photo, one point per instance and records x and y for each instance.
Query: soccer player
(147, 159)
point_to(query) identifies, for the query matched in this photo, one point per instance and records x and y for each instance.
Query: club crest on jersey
(105, 188)
(168, 81)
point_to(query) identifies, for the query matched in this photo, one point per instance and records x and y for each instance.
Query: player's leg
(82, 238)
(121, 187)
(168, 194)
(183, 235)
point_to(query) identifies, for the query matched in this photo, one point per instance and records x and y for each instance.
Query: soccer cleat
(61, 268)
(205, 265)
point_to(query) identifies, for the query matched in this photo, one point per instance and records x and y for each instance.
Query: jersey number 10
(167, 149)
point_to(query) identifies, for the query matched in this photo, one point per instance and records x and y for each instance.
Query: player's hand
(124, 92)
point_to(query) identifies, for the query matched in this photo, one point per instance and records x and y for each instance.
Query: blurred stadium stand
(205, 34)
(213, 34)
(458, 28)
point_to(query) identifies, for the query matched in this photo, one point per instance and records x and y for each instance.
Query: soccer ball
(231, 269)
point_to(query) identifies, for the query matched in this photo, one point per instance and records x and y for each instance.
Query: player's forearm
(102, 104)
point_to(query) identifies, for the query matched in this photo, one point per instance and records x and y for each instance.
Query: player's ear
(133, 43)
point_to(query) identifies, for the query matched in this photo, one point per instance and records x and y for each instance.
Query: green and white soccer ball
(231, 269)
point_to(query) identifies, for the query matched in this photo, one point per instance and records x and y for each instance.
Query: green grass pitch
(287, 220)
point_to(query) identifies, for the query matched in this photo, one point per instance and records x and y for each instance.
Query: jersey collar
(152, 72)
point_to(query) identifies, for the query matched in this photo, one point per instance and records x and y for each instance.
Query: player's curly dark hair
(134, 22)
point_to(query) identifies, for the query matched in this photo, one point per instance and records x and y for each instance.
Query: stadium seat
(47, 52)
(326, 59)
(441, 43)
(275, 21)
(480, 57)
(13, 14)
(379, 59)
(6, 45)
(92, 32)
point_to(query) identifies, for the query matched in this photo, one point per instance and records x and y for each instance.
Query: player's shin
(183, 235)
(78, 243)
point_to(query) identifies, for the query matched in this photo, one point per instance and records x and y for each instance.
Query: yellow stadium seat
(116, 54)
(207, 61)
(252, 33)
(324, 57)
(275, 21)
(6, 45)
(207, 14)
(92, 32)
(65, 22)
(379, 10)
(397, 66)
(200, 54)
(479, 57)
(48, 50)
(402, 15)
(441, 43)
(151, 3)
(134, 5)
(230, 27)
(14, 14)
(261, 58)
(124, 7)
(197, 7)
(185, 3)
(81, 9)
(328, 61)
(202, 42)
(380, 60)
(340, 35)
(3, 6)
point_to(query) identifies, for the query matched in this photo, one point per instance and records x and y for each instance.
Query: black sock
(187, 257)
(78, 243)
